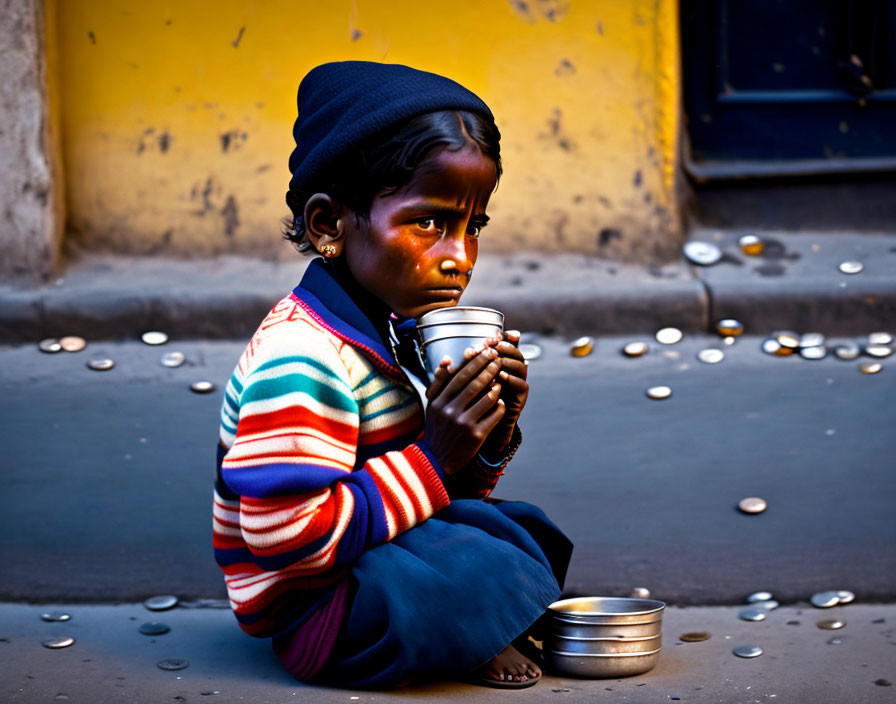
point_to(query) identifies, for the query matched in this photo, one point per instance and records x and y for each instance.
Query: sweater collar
(348, 311)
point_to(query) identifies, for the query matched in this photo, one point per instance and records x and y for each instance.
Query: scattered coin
(101, 364)
(769, 605)
(847, 350)
(825, 600)
(175, 359)
(694, 636)
(72, 343)
(530, 351)
(879, 351)
(729, 327)
(751, 244)
(831, 624)
(154, 337)
(50, 345)
(747, 651)
(787, 338)
(702, 253)
(880, 338)
(752, 504)
(883, 683)
(870, 367)
(729, 340)
(640, 593)
(759, 596)
(202, 387)
(846, 597)
(161, 603)
(813, 352)
(55, 616)
(635, 349)
(851, 267)
(172, 664)
(582, 347)
(668, 336)
(710, 355)
(771, 346)
(154, 628)
(56, 643)
(811, 339)
(658, 393)
(752, 614)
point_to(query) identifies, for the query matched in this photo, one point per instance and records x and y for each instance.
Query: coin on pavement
(55, 616)
(101, 364)
(702, 253)
(635, 349)
(813, 352)
(870, 367)
(751, 244)
(56, 643)
(752, 614)
(640, 593)
(582, 347)
(202, 387)
(879, 351)
(50, 345)
(811, 339)
(729, 327)
(831, 624)
(154, 628)
(759, 596)
(752, 504)
(825, 600)
(658, 393)
(668, 336)
(172, 664)
(162, 602)
(72, 343)
(880, 338)
(175, 359)
(851, 267)
(846, 596)
(847, 350)
(694, 636)
(747, 651)
(710, 355)
(154, 337)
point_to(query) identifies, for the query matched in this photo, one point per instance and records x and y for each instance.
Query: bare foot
(511, 666)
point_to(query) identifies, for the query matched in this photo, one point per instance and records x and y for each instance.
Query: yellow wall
(177, 116)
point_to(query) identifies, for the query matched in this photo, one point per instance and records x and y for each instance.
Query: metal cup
(448, 332)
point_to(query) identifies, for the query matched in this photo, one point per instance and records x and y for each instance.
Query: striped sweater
(320, 457)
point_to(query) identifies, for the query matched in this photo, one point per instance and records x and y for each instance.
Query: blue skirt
(445, 597)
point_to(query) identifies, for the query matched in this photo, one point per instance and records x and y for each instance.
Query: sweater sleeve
(296, 498)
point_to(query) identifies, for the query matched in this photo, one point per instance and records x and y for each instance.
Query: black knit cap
(343, 103)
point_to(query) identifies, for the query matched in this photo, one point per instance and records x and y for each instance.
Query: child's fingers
(477, 385)
(440, 378)
(512, 336)
(470, 369)
(491, 420)
(483, 405)
(514, 367)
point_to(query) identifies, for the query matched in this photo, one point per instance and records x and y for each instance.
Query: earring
(328, 250)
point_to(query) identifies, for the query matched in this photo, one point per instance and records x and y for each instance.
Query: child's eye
(474, 229)
(428, 224)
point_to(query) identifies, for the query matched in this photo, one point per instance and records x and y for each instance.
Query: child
(351, 518)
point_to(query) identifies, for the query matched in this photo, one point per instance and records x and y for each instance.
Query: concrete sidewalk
(794, 284)
(111, 661)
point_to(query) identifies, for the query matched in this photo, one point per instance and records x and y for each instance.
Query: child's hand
(514, 392)
(464, 408)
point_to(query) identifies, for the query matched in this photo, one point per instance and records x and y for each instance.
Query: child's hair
(388, 161)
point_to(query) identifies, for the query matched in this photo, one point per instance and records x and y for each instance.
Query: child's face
(421, 242)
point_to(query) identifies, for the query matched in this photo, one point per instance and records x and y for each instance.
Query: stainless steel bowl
(462, 314)
(618, 665)
(603, 646)
(578, 629)
(604, 636)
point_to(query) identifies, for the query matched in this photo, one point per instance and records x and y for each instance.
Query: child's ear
(323, 224)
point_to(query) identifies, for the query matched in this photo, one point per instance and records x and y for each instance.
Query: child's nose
(456, 249)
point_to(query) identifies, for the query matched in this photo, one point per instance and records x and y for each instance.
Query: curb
(794, 284)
